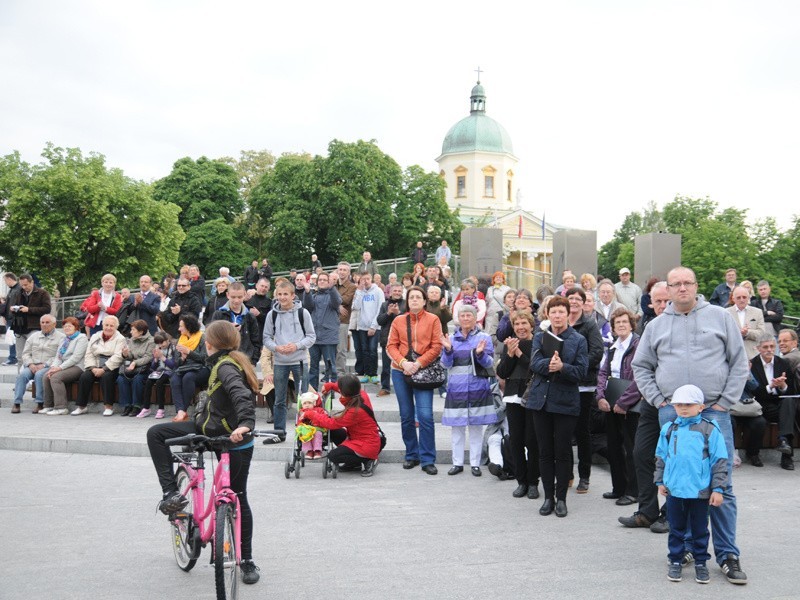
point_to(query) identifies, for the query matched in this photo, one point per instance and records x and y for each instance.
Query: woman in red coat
(354, 430)
(101, 303)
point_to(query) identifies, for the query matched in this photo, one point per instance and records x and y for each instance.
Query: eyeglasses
(680, 284)
(182, 285)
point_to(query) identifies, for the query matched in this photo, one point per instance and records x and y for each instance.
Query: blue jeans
(358, 368)
(386, 371)
(131, 391)
(281, 380)
(723, 517)
(23, 378)
(12, 353)
(369, 351)
(328, 354)
(409, 400)
(183, 385)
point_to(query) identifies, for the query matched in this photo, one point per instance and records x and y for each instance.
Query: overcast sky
(610, 104)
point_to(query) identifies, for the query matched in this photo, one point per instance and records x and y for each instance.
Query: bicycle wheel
(182, 529)
(226, 562)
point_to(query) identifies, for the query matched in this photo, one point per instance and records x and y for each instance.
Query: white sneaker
(29, 386)
(58, 411)
(45, 411)
(108, 412)
(80, 411)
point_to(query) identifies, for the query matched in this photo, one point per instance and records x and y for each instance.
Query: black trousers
(554, 434)
(342, 455)
(583, 436)
(108, 383)
(161, 385)
(644, 460)
(783, 413)
(755, 427)
(620, 436)
(522, 438)
(239, 464)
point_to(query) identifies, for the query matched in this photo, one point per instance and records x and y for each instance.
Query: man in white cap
(628, 293)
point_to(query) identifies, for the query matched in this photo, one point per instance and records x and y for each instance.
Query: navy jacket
(558, 392)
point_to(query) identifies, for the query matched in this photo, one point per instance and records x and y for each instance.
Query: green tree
(250, 167)
(216, 244)
(204, 189)
(684, 214)
(71, 219)
(422, 214)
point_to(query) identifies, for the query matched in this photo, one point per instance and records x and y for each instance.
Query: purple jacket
(632, 394)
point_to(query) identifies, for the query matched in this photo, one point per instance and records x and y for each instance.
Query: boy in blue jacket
(691, 471)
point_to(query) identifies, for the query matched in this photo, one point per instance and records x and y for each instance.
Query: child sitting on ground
(687, 448)
(311, 436)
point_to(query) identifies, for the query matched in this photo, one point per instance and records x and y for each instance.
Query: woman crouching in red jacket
(354, 430)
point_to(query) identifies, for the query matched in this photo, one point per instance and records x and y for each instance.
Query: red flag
(519, 233)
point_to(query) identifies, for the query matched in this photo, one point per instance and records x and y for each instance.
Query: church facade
(478, 165)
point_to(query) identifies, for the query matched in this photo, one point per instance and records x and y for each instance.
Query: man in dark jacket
(419, 255)
(390, 309)
(266, 270)
(589, 329)
(259, 303)
(183, 302)
(771, 307)
(323, 305)
(147, 303)
(13, 288)
(27, 306)
(252, 275)
(234, 311)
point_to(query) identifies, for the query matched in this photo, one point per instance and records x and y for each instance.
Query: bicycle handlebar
(192, 439)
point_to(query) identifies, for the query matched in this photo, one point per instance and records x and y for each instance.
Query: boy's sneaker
(364, 379)
(145, 412)
(250, 572)
(701, 573)
(375, 379)
(733, 570)
(160, 413)
(172, 503)
(674, 573)
(688, 558)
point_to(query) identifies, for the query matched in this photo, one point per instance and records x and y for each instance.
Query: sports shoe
(310, 455)
(660, 525)
(9, 362)
(375, 379)
(384, 393)
(79, 410)
(583, 486)
(108, 412)
(674, 572)
(145, 412)
(688, 558)
(250, 572)
(172, 502)
(369, 468)
(637, 519)
(44, 411)
(701, 574)
(733, 570)
(364, 379)
(160, 413)
(58, 411)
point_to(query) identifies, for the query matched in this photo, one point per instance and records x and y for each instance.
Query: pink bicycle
(217, 521)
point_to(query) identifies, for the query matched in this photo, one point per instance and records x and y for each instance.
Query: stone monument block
(655, 254)
(576, 250)
(481, 252)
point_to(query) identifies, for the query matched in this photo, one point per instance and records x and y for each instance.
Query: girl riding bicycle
(230, 409)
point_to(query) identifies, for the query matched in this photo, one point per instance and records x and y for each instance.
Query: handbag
(382, 435)
(427, 378)
(746, 407)
(480, 370)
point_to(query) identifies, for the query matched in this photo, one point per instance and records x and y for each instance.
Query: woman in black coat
(514, 368)
(555, 401)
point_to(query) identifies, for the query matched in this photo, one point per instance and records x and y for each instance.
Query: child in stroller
(309, 436)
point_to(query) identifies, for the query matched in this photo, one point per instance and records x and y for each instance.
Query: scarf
(191, 341)
(470, 300)
(65, 344)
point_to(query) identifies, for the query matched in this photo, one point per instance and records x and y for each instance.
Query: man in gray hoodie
(694, 342)
(288, 334)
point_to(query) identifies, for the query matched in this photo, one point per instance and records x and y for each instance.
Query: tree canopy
(70, 219)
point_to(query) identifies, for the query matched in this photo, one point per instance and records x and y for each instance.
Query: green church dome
(477, 132)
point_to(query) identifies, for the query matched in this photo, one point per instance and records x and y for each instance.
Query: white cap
(624, 270)
(688, 394)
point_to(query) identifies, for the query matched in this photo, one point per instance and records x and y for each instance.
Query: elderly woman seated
(66, 367)
(102, 362)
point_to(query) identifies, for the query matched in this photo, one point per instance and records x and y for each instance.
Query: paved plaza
(84, 525)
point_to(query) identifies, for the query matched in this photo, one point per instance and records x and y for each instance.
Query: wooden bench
(770, 437)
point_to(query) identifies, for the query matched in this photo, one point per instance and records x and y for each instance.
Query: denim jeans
(131, 391)
(358, 368)
(183, 385)
(723, 517)
(369, 351)
(328, 354)
(299, 372)
(23, 378)
(409, 400)
(386, 370)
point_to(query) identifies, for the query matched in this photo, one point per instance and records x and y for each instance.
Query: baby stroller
(304, 432)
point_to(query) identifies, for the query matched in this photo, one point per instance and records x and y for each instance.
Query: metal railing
(530, 279)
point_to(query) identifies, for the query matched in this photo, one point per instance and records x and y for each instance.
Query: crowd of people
(523, 375)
